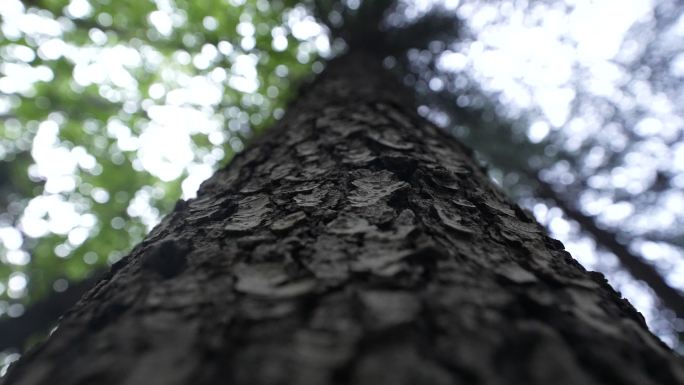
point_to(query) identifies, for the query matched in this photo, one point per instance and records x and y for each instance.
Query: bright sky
(532, 57)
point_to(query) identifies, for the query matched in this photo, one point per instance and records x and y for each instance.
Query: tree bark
(354, 243)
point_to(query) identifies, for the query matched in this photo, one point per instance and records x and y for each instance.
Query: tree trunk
(354, 243)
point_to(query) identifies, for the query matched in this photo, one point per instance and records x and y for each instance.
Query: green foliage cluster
(164, 46)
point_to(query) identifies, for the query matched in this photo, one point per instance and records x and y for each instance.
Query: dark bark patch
(369, 117)
(321, 349)
(311, 200)
(248, 242)
(398, 365)
(385, 308)
(516, 274)
(391, 112)
(270, 280)
(452, 220)
(281, 171)
(298, 188)
(444, 178)
(463, 203)
(288, 221)
(168, 258)
(500, 207)
(349, 224)
(254, 185)
(180, 205)
(374, 187)
(401, 165)
(251, 212)
(400, 228)
(330, 260)
(346, 129)
(203, 210)
(389, 138)
(307, 149)
(520, 227)
(380, 259)
(106, 314)
(358, 156)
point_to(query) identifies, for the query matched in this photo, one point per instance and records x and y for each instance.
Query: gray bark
(354, 243)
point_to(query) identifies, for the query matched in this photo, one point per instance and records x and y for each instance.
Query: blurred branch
(29, 3)
(436, 25)
(673, 240)
(634, 264)
(502, 129)
(39, 317)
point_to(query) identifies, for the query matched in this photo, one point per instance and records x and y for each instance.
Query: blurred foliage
(85, 82)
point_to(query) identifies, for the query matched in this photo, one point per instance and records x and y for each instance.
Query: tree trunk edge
(352, 238)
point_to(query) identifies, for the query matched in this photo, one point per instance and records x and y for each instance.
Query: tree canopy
(112, 110)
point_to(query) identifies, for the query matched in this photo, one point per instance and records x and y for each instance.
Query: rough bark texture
(352, 244)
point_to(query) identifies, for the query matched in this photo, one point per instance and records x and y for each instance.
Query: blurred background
(112, 110)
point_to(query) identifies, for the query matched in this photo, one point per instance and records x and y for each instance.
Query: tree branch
(634, 264)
